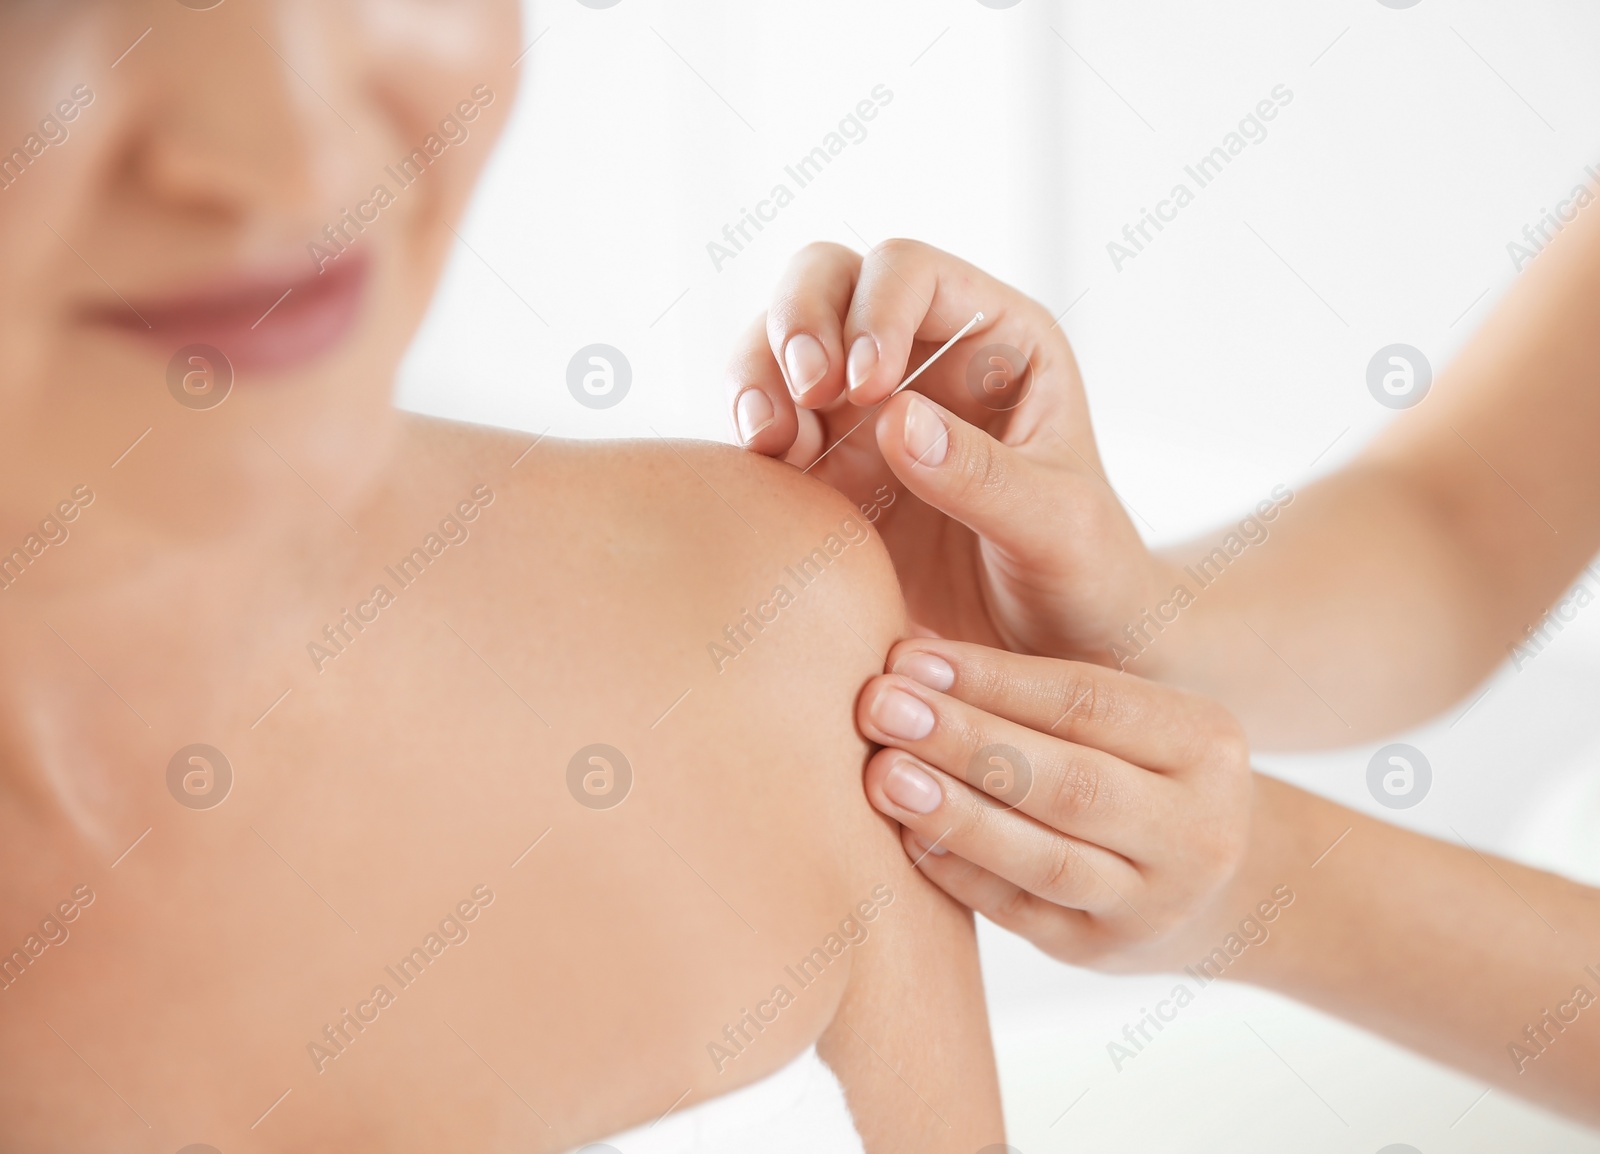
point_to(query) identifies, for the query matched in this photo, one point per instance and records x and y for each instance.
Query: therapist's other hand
(984, 482)
(1097, 814)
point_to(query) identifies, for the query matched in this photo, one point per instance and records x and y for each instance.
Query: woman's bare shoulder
(700, 552)
(711, 610)
(704, 618)
(763, 597)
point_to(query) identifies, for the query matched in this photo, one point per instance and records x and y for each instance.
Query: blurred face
(223, 225)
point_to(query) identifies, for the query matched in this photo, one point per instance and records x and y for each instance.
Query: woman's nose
(246, 107)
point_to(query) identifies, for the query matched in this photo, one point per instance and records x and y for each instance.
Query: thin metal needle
(942, 349)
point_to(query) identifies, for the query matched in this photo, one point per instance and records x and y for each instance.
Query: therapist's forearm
(1456, 954)
(1358, 615)
(1386, 591)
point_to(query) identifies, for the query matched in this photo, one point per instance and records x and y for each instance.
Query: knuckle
(968, 732)
(1226, 748)
(983, 473)
(819, 251)
(900, 248)
(1014, 909)
(1075, 790)
(983, 676)
(1060, 878)
(1080, 698)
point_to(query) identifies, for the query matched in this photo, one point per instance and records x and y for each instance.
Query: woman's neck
(124, 632)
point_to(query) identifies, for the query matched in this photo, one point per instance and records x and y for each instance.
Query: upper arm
(909, 1039)
(1503, 451)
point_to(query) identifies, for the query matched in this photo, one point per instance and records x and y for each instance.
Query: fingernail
(753, 412)
(807, 361)
(925, 434)
(900, 715)
(911, 789)
(934, 672)
(863, 359)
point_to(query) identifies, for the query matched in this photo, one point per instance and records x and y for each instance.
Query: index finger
(764, 415)
(910, 292)
(805, 318)
(1154, 726)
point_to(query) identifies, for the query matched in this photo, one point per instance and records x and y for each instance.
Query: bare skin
(1393, 587)
(1403, 580)
(399, 783)
(418, 766)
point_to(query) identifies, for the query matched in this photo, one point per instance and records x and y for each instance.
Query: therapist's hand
(986, 487)
(1097, 814)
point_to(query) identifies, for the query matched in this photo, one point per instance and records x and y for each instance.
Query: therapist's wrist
(1281, 915)
(1145, 636)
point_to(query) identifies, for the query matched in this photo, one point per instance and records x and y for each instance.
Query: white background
(1223, 360)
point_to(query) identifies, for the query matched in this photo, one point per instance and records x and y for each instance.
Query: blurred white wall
(645, 128)
(1226, 357)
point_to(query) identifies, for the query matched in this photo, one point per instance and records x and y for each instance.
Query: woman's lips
(261, 324)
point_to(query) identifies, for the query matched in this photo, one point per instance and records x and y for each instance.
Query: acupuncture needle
(920, 369)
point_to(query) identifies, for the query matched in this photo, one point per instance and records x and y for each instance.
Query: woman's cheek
(55, 116)
(460, 39)
(44, 57)
(33, 279)
(443, 72)
(48, 196)
(434, 59)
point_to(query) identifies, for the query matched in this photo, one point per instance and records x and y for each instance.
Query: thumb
(1009, 500)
